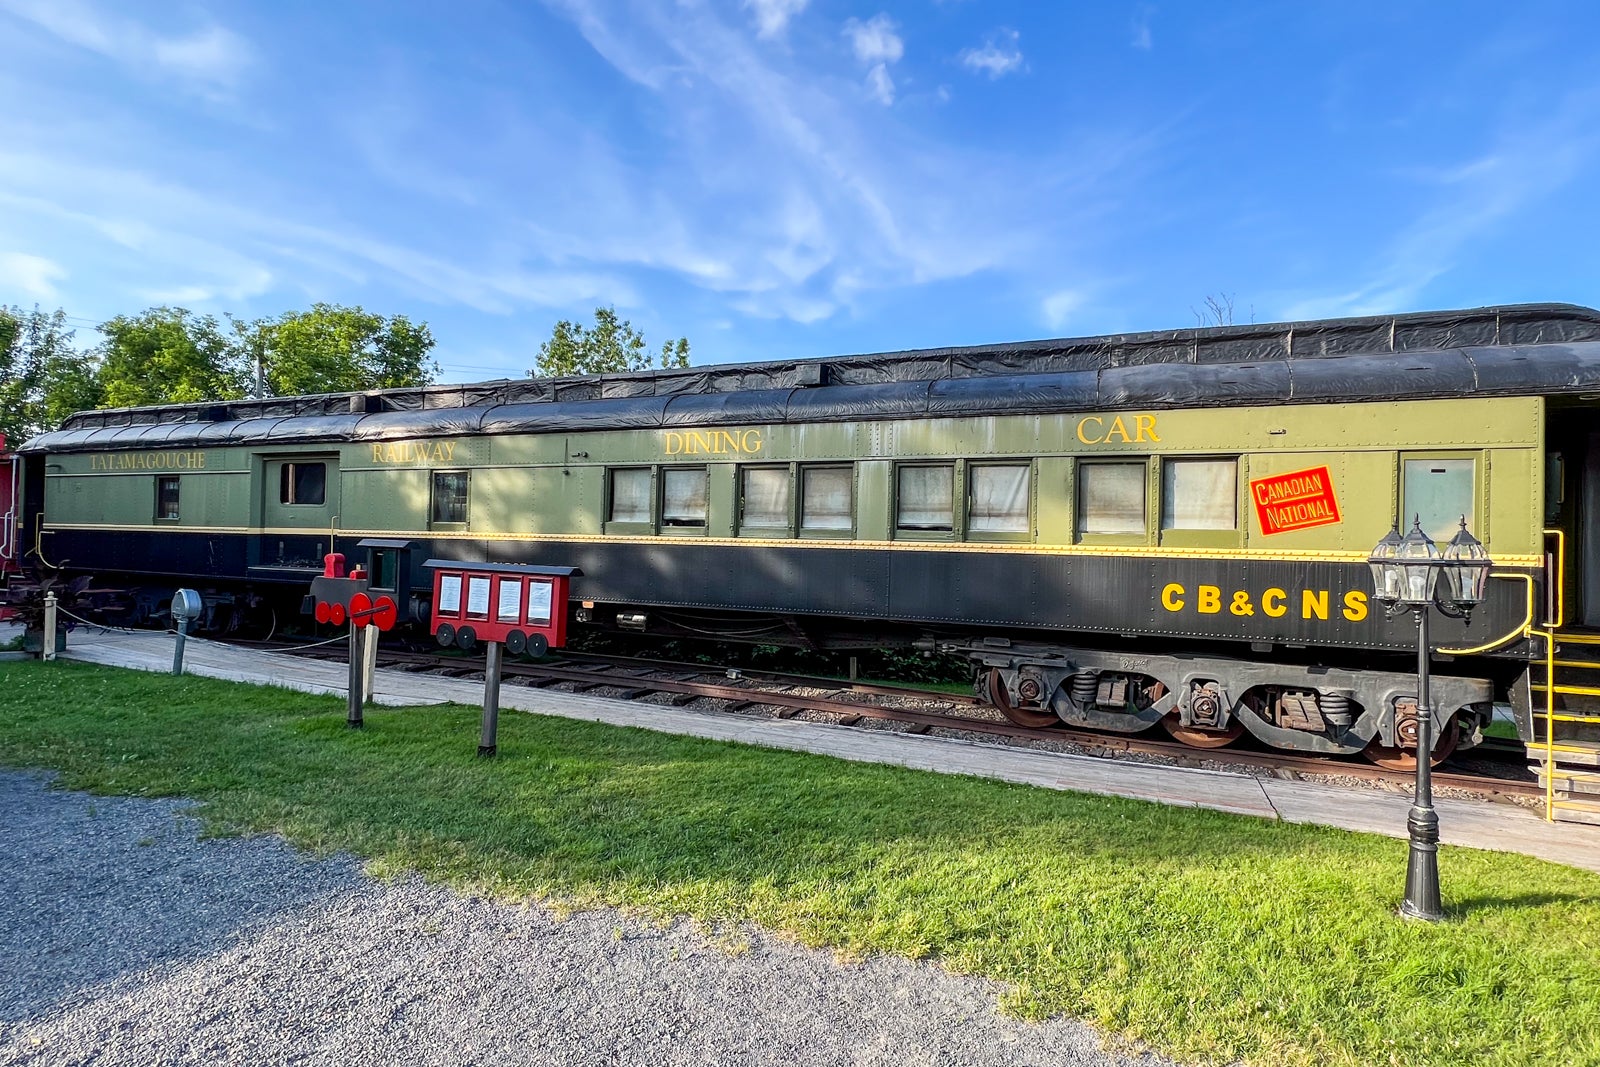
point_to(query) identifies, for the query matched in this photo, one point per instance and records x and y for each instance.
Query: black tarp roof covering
(1543, 349)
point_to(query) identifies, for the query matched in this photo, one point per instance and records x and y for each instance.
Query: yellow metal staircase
(1566, 750)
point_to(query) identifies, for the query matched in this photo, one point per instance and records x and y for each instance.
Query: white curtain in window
(825, 499)
(999, 500)
(1111, 498)
(1199, 494)
(683, 497)
(766, 498)
(925, 498)
(630, 495)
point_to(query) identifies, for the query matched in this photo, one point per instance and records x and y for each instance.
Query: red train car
(522, 606)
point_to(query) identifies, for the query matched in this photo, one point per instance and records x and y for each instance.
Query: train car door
(1587, 549)
(300, 492)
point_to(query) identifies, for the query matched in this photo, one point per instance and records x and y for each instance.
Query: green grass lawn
(1205, 935)
(1502, 729)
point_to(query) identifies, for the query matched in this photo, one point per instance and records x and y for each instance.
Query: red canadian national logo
(1295, 501)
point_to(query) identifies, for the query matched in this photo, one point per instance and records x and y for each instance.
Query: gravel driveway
(126, 940)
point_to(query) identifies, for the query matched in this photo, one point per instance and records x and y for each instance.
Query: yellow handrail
(1525, 629)
(1572, 691)
(1549, 726)
(38, 545)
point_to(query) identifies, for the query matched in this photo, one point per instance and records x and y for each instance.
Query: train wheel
(1197, 738)
(1405, 759)
(1030, 720)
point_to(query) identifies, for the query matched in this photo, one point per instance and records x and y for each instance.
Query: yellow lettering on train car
(1272, 602)
(1092, 430)
(710, 442)
(147, 461)
(1355, 605)
(415, 453)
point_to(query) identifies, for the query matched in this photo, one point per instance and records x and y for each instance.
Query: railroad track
(640, 677)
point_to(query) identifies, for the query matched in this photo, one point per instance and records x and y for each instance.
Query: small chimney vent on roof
(214, 413)
(365, 403)
(807, 374)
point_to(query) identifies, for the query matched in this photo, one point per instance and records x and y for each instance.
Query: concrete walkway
(1479, 824)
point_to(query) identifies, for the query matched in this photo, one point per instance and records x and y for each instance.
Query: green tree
(72, 384)
(168, 355)
(609, 346)
(335, 349)
(43, 378)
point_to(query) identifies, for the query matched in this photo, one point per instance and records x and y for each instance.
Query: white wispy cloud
(876, 43)
(1058, 307)
(169, 241)
(209, 58)
(998, 57)
(880, 85)
(875, 40)
(1142, 38)
(772, 16)
(776, 188)
(1469, 202)
(765, 185)
(32, 276)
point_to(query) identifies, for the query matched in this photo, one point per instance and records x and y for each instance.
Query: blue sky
(787, 178)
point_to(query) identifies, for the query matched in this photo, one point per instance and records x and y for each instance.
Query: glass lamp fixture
(1417, 559)
(1386, 568)
(1464, 571)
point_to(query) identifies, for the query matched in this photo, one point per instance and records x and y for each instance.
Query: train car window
(1111, 498)
(826, 504)
(450, 496)
(166, 498)
(630, 495)
(764, 498)
(999, 500)
(303, 483)
(683, 496)
(1200, 494)
(1441, 491)
(925, 502)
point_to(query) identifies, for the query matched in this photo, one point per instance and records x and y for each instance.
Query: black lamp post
(1411, 574)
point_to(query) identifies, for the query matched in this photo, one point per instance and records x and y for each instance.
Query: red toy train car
(521, 606)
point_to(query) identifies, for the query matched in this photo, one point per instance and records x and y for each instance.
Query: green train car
(1164, 528)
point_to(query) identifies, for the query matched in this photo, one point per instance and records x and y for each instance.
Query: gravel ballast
(126, 939)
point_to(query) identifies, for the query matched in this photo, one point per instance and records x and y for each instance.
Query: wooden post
(177, 649)
(357, 676)
(369, 662)
(47, 651)
(491, 701)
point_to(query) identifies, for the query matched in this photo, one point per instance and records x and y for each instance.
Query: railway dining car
(1118, 531)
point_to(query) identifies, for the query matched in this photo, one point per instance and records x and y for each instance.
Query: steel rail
(1283, 765)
